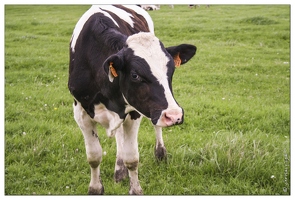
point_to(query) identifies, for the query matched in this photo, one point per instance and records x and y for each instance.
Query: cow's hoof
(121, 174)
(121, 171)
(95, 191)
(160, 152)
(137, 191)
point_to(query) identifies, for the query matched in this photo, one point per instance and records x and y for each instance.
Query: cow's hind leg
(160, 149)
(121, 171)
(93, 148)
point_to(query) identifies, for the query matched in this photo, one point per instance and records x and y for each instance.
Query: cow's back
(127, 20)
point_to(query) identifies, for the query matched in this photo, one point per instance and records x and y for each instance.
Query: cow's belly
(108, 119)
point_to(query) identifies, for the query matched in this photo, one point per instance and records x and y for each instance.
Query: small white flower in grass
(256, 74)
(223, 98)
(67, 187)
(104, 153)
(272, 176)
(24, 133)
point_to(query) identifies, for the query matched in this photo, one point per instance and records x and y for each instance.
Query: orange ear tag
(113, 70)
(177, 60)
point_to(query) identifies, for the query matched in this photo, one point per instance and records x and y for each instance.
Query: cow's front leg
(93, 148)
(131, 155)
(160, 149)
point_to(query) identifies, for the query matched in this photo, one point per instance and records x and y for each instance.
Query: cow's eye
(135, 76)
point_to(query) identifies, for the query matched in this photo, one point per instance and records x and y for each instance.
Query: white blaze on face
(147, 46)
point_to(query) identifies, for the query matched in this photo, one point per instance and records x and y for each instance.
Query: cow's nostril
(178, 121)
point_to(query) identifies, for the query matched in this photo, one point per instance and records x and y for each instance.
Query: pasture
(235, 93)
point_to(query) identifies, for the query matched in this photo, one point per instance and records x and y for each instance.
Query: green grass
(235, 93)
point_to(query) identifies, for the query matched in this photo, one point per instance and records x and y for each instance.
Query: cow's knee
(94, 161)
(132, 166)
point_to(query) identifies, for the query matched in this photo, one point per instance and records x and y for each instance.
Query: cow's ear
(182, 53)
(112, 65)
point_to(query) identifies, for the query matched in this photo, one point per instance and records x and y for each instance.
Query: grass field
(235, 93)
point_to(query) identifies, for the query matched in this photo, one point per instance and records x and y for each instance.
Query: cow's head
(144, 70)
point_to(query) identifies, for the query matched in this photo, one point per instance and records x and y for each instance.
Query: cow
(194, 6)
(119, 71)
(150, 7)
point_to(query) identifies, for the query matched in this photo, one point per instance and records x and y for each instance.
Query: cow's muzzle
(170, 117)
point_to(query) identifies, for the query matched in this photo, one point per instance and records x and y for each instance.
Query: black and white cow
(119, 71)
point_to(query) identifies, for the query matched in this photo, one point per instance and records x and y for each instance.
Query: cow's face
(144, 69)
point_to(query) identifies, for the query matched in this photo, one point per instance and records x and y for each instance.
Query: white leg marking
(92, 145)
(160, 149)
(131, 155)
(121, 171)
